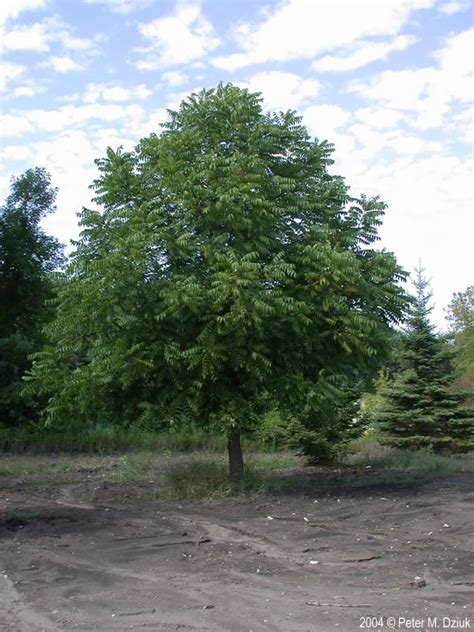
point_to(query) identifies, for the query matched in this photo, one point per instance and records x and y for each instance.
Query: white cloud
(454, 6)
(16, 152)
(282, 90)
(429, 213)
(426, 94)
(27, 90)
(174, 78)
(178, 39)
(299, 29)
(40, 37)
(461, 126)
(33, 38)
(323, 120)
(68, 117)
(10, 9)
(363, 53)
(61, 32)
(122, 6)
(12, 125)
(63, 64)
(9, 72)
(101, 92)
(379, 118)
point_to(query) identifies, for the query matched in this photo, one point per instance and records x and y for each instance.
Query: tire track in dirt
(18, 616)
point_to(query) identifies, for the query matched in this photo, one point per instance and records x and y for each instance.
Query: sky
(389, 82)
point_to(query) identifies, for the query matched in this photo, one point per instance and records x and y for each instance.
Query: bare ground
(98, 555)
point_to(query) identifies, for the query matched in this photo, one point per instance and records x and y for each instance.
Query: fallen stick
(338, 605)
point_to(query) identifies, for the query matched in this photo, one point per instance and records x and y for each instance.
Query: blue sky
(389, 82)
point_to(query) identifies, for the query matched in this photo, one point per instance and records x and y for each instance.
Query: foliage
(460, 315)
(28, 258)
(420, 408)
(368, 452)
(372, 402)
(106, 439)
(324, 432)
(229, 274)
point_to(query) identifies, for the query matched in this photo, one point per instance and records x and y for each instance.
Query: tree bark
(236, 461)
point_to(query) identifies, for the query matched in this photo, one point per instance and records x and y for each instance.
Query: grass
(106, 440)
(208, 477)
(368, 452)
(20, 517)
(203, 474)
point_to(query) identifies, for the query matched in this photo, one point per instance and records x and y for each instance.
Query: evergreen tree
(230, 272)
(420, 407)
(28, 258)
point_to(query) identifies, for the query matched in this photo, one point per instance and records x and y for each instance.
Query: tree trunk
(236, 461)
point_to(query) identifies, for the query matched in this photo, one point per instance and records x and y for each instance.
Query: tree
(229, 273)
(28, 258)
(419, 406)
(460, 315)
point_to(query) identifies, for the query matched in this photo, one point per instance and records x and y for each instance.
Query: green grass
(206, 479)
(106, 440)
(197, 473)
(367, 451)
(20, 517)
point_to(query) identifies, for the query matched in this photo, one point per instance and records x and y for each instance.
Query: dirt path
(299, 563)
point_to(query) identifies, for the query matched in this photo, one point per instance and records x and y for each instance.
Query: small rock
(209, 606)
(418, 582)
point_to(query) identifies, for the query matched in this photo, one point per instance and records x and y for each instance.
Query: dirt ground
(101, 556)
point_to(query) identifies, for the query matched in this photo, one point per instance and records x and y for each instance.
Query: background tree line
(229, 282)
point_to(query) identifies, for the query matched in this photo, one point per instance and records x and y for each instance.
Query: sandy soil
(100, 557)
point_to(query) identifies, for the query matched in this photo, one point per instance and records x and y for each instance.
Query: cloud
(121, 6)
(63, 64)
(324, 120)
(282, 90)
(12, 125)
(41, 37)
(68, 117)
(454, 6)
(427, 206)
(33, 38)
(379, 118)
(17, 152)
(61, 32)
(10, 9)
(298, 29)
(426, 95)
(8, 72)
(362, 53)
(101, 92)
(174, 77)
(178, 39)
(27, 90)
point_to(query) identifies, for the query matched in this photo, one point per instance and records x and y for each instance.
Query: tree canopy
(229, 272)
(460, 314)
(27, 259)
